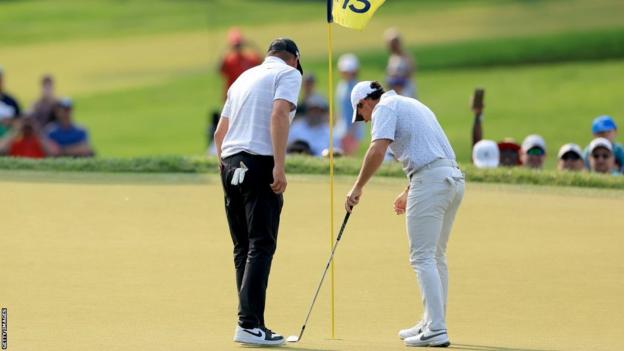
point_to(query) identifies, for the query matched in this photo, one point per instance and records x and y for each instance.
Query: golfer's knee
(420, 261)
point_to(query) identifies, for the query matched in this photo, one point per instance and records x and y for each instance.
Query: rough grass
(306, 166)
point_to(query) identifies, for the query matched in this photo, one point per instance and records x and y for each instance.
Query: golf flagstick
(295, 338)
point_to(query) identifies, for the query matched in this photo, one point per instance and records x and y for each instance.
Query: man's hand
(353, 198)
(279, 180)
(400, 203)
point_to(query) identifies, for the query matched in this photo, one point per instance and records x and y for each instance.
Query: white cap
(532, 141)
(485, 154)
(360, 92)
(570, 147)
(348, 63)
(392, 34)
(600, 142)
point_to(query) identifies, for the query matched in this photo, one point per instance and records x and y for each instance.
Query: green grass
(143, 76)
(552, 48)
(306, 166)
(557, 101)
(33, 21)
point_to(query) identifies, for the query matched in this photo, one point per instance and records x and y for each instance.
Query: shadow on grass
(492, 348)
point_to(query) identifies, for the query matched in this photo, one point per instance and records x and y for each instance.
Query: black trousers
(253, 213)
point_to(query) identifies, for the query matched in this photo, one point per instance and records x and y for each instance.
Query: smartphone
(477, 98)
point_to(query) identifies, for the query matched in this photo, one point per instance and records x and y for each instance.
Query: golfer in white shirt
(251, 145)
(431, 200)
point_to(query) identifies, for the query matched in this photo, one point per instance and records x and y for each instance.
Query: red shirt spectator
(27, 146)
(237, 60)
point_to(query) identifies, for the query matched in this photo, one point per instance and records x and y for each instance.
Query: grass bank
(305, 165)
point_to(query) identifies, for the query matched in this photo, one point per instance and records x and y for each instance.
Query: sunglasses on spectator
(536, 151)
(603, 155)
(571, 156)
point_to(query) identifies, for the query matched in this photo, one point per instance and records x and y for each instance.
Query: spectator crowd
(309, 133)
(602, 155)
(46, 129)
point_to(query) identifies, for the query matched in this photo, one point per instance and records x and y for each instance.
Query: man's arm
(219, 135)
(373, 159)
(280, 122)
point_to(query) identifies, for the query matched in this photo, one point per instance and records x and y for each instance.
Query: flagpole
(330, 75)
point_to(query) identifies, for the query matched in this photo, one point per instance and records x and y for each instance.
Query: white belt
(440, 162)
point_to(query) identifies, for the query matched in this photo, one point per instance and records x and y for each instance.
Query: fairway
(143, 262)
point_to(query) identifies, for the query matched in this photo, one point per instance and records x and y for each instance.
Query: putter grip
(344, 224)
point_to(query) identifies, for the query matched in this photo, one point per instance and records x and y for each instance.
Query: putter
(295, 338)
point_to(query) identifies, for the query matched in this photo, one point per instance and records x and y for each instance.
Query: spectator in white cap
(349, 133)
(485, 154)
(533, 152)
(605, 127)
(570, 158)
(400, 64)
(601, 159)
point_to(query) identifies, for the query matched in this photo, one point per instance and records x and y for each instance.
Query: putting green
(143, 262)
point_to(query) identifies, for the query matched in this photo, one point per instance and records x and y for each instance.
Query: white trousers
(433, 199)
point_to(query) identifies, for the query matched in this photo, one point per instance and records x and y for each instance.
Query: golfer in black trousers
(251, 142)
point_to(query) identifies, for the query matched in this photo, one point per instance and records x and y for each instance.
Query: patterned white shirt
(417, 137)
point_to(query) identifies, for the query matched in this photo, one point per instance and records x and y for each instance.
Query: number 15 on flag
(352, 13)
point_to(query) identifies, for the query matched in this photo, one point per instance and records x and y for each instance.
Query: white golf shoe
(413, 331)
(257, 336)
(429, 338)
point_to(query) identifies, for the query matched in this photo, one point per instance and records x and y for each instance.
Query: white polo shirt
(417, 137)
(249, 106)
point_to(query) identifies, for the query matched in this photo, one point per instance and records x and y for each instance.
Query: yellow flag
(354, 13)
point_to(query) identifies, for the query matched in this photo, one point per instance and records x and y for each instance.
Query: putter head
(292, 338)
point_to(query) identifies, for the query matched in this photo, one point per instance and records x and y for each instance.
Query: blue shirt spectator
(71, 139)
(68, 136)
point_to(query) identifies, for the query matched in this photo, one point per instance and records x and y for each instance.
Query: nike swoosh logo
(425, 338)
(259, 334)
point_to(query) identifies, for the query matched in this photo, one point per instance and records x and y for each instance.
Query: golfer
(431, 200)
(251, 141)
